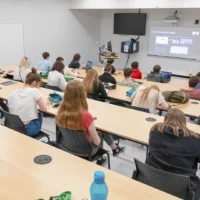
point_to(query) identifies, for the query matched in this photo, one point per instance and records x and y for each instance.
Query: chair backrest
(74, 142)
(146, 110)
(90, 96)
(14, 122)
(198, 120)
(174, 184)
(55, 88)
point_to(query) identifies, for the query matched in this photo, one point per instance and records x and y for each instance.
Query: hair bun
(34, 71)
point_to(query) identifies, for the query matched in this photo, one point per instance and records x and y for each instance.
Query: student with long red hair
(73, 114)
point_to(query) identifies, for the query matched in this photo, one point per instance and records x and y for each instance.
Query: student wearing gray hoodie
(25, 102)
(155, 75)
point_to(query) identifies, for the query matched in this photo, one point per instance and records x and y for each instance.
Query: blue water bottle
(99, 189)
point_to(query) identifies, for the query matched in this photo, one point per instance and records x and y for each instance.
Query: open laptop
(90, 64)
(166, 76)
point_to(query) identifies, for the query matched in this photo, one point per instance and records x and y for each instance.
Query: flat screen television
(130, 23)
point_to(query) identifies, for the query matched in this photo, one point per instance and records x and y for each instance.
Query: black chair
(90, 96)
(174, 184)
(55, 88)
(146, 110)
(76, 143)
(198, 120)
(15, 123)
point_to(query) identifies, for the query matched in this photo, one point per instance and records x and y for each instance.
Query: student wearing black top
(111, 61)
(75, 62)
(93, 85)
(175, 149)
(155, 75)
(106, 76)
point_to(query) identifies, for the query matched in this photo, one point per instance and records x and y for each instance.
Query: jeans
(34, 127)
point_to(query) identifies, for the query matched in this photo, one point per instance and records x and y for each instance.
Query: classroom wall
(155, 17)
(50, 26)
(128, 4)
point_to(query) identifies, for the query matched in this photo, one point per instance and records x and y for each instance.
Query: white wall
(50, 26)
(155, 17)
(131, 4)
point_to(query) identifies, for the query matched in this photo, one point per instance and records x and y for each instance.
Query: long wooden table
(22, 179)
(124, 122)
(180, 82)
(189, 109)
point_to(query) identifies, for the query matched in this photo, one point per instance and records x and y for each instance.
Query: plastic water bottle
(99, 189)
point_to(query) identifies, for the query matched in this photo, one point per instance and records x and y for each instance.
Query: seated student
(174, 148)
(24, 103)
(193, 82)
(22, 70)
(73, 114)
(106, 76)
(127, 79)
(67, 71)
(93, 85)
(45, 65)
(155, 75)
(111, 61)
(136, 73)
(198, 86)
(149, 97)
(56, 76)
(75, 62)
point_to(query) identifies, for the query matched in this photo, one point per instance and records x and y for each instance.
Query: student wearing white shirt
(56, 76)
(25, 102)
(67, 70)
(22, 70)
(149, 97)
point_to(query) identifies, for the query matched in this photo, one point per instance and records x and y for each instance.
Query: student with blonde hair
(22, 70)
(25, 102)
(149, 97)
(73, 114)
(174, 148)
(93, 86)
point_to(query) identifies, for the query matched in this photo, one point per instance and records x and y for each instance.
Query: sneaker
(102, 161)
(118, 150)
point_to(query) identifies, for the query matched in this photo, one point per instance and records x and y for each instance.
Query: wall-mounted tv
(130, 23)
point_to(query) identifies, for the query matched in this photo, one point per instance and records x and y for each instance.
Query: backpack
(176, 97)
(55, 98)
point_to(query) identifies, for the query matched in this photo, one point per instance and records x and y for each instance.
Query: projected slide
(180, 42)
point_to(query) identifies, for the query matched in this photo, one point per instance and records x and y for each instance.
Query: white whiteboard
(176, 42)
(11, 44)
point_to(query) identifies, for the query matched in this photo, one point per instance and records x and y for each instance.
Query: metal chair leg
(108, 160)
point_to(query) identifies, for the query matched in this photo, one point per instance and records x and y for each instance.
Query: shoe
(102, 161)
(118, 150)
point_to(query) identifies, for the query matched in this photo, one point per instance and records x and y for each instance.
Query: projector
(172, 19)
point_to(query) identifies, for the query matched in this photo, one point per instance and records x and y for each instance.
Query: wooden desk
(21, 178)
(134, 126)
(110, 57)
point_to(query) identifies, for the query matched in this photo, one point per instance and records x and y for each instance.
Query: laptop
(166, 76)
(90, 64)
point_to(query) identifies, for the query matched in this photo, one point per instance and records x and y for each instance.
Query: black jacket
(74, 64)
(178, 155)
(98, 91)
(107, 78)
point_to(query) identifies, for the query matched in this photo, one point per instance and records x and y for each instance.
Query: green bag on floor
(64, 196)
